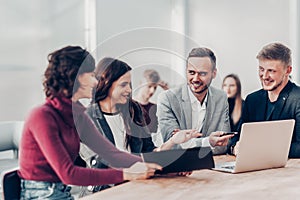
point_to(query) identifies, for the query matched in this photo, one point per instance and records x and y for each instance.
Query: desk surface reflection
(280, 183)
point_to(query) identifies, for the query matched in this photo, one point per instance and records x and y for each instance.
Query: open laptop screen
(181, 160)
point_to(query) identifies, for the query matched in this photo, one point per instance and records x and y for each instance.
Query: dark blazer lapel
(280, 103)
(186, 108)
(260, 108)
(259, 113)
(103, 125)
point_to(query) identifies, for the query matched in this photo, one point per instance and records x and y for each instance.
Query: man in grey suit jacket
(196, 105)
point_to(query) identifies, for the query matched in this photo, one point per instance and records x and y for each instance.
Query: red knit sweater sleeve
(44, 128)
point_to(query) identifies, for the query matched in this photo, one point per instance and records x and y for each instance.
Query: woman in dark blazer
(232, 86)
(119, 118)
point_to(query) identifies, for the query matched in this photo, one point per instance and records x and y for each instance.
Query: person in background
(119, 118)
(279, 97)
(196, 105)
(232, 86)
(147, 87)
(53, 131)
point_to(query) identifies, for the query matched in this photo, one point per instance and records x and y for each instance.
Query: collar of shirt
(198, 115)
(195, 102)
(198, 111)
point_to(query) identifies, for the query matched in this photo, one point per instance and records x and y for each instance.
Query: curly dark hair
(64, 66)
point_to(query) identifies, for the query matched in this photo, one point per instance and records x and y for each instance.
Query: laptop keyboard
(228, 167)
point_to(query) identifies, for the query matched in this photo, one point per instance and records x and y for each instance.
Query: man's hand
(163, 85)
(182, 136)
(179, 137)
(215, 139)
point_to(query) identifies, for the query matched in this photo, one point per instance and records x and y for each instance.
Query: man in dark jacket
(278, 99)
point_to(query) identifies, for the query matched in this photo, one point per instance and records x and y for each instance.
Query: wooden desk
(281, 183)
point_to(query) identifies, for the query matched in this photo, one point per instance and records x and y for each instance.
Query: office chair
(10, 134)
(11, 187)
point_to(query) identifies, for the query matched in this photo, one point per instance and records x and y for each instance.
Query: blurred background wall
(144, 33)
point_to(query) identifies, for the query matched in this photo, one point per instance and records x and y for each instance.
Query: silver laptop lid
(264, 145)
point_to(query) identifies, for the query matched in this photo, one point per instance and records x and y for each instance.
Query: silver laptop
(263, 145)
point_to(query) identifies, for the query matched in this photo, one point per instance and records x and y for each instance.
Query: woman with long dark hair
(119, 117)
(53, 131)
(232, 86)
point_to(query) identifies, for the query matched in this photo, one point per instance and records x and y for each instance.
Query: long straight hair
(108, 71)
(237, 110)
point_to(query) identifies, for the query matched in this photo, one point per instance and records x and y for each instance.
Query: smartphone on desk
(228, 133)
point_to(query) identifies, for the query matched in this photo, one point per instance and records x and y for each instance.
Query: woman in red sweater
(53, 131)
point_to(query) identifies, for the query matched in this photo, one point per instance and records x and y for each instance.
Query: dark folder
(181, 160)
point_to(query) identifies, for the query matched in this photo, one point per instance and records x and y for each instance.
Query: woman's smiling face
(120, 90)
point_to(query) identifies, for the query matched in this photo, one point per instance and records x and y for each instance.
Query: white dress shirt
(198, 115)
